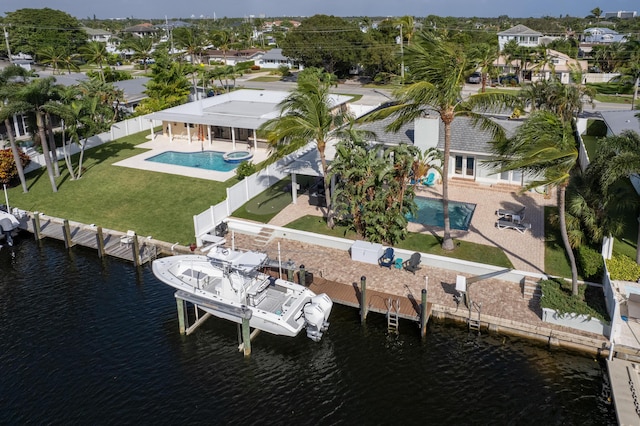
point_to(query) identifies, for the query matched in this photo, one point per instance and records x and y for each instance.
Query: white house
(523, 35)
(273, 59)
(233, 117)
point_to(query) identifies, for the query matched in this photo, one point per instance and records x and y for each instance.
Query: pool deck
(526, 251)
(162, 144)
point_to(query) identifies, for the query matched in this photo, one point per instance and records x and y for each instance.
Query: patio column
(189, 132)
(209, 134)
(294, 188)
(170, 132)
(233, 138)
(255, 140)
(16, 127)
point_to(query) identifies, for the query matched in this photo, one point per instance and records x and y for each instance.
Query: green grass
(424, 243)
(121, 198)
(266, 79)
(555, 257)
(614, 99)
(589, 301)
(591, 144)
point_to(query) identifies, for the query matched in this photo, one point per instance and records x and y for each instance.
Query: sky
(298, 8)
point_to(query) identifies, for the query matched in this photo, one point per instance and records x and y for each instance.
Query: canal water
(86, 341)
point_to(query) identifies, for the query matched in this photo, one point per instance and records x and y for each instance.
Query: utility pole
(6, 39)
(401, 56)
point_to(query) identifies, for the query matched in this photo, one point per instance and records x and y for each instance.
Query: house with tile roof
(522, 34)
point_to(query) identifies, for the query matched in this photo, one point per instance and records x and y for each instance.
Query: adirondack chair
(413, 264)
(386, 260)
(430, 180)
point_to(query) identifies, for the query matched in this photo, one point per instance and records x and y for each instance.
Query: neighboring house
(112, 42)
(233, 117)
(598, 35)
(523, 35)
(232, 57)
(621, 14)
(470, 146)
(142, 30)
(273, 59)
(619, 121)
(557, 64)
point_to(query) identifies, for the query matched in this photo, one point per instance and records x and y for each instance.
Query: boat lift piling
(363, 299)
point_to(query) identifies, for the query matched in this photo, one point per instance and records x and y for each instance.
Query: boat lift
(242, 313)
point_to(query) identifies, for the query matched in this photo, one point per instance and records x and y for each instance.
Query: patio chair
(513, 215)
(521, 227)
(386, 260)
(127, 239)
(413, 264)
(430, 179)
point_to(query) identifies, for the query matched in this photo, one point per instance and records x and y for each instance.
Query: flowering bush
(8, 169)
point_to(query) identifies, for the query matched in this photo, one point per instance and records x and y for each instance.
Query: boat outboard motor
(316, 314)
(7, 227)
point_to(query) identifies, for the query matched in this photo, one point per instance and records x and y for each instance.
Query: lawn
(424, 243)
(614, 99)
(121, 198)
(266, 79)
(556, 262)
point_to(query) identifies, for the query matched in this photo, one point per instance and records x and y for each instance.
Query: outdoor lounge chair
(521, 227)
(512, 215)
(413, 264)
(386, 259)
(430, 180)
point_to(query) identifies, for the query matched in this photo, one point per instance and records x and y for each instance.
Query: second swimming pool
(431, 213)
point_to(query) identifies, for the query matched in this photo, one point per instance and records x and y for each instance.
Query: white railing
(243, 191)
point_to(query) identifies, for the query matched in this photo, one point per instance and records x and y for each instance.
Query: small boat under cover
(229, 284)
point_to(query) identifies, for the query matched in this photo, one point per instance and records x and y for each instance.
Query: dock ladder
(393, 308)
(474, 323)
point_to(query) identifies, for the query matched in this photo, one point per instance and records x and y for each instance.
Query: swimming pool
(431, 213)
(209, 160)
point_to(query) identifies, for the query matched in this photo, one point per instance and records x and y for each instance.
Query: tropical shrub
(246, 168)
(556, 295)
(590, 262)
(623, 268)
(8, 170)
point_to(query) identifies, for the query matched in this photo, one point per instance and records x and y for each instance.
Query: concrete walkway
(526, 251)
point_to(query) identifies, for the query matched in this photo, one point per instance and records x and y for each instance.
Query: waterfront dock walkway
(116, 244)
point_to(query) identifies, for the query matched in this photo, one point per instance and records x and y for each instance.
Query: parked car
(475, 78)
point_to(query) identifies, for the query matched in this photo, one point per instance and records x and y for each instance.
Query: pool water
(208, 160)
(431, 213)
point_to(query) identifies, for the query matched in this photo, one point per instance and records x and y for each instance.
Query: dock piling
(136, 251)
(363, 299)
(100, 242)
(183, 321)
(302, 275)
(36, 225)
(246, 336)
(423, 314)
(66, 232)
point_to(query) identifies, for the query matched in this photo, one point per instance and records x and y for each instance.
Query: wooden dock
(625, 389)
(409, 306)
(127, 246)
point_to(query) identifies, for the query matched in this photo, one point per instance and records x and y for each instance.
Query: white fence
(243, 191)
(118, 130)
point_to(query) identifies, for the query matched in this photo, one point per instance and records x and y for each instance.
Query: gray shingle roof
(519, 30)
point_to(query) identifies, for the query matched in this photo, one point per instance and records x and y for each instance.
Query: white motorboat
(229, 284)
(8, 226)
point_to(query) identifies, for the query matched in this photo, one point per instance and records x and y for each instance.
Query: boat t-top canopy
(241, 261)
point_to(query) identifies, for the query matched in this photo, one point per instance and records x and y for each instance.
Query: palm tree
(7, 86)
(95, 52)
(630, 67)
(70, 60)
(485, 55)
(49, 55)
(545, 148)
(190, 41)
(32, 98)
(142, 48)
(439, 69)
(222, 39)
(307, 114)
